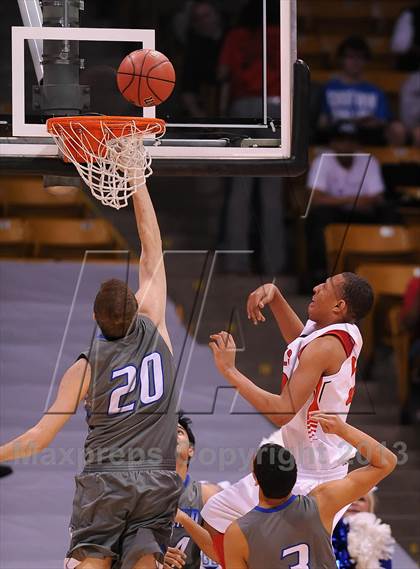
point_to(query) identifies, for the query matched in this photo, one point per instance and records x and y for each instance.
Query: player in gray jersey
(126, 497)
(191, 545)
(286, 530)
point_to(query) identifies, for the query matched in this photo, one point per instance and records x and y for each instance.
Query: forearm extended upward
(147, 224)
(287, 320)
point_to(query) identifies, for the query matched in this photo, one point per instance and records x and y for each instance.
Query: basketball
(146, 77)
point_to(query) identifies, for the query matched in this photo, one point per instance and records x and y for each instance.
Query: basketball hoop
(108, 152)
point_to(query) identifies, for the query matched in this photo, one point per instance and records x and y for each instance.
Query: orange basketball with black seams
(146, 77)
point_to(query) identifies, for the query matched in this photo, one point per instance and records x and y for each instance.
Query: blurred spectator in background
(410, 320)
(241, 62)
(349, 97)
(410, 106)
(203, 35)
(345, 187)
(405, 41)
(241, 73)
(375, 539)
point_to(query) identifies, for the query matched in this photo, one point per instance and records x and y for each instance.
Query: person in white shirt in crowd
(405, 41)
(345, 185)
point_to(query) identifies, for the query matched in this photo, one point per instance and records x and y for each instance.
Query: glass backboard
(237, 91)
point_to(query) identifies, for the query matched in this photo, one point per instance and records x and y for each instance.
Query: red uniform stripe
(311, 424)
(218, 542)
(345, 339)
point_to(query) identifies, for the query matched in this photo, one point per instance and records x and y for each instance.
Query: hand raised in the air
(224, 351)
(258, 299)
(330, 424)
(174, 557)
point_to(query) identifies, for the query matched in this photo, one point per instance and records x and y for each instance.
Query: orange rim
(83, 137)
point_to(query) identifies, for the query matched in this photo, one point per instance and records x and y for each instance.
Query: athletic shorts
(237, 500)
(123, 514)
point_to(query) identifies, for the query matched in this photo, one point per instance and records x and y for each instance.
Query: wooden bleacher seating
(410, 193)
(367, 16)
(26, 196)
(414, 235)
(348, 245)
(14, 237)
(385, 154)
(395, 155)
(319, 52)
(389, 81)
(390, 281)
(71, 237)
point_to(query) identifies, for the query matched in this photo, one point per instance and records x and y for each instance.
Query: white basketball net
(115, 166)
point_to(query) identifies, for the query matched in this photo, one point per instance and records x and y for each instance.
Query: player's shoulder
(322, 346)
(234, 532)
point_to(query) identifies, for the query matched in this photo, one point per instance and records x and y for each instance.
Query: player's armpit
(72, 389)
(209, 490)
(333, 496)
(236, 548)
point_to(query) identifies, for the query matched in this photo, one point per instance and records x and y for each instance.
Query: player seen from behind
(127, 495)
(287, 530)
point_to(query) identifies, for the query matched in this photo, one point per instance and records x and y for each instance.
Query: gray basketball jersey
(191, 503)
(290, 535)
(131, 401)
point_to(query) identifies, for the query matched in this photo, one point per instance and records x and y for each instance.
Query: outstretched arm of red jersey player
(287, 320)
(73, 388)
(322, 356)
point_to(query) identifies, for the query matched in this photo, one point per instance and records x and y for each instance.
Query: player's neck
(271, 502)
(323, 324)
(350, 79)
(182, 469)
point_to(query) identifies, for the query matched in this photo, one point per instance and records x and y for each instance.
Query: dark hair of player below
(275, 471)
(186, 424)
(115, 309)
(358, 295)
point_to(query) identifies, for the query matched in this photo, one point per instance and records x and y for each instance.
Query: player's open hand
(331, 424)
(258, 299)
(224, 351)
(174, 557)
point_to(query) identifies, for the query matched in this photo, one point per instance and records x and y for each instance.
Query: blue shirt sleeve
(382, 109)
(386, 563)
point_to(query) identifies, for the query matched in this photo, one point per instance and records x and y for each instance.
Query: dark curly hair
(358, 295)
